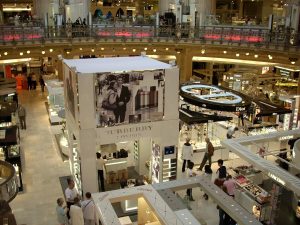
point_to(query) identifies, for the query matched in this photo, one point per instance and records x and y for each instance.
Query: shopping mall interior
(193, 106)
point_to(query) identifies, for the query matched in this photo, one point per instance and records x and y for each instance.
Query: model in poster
(122, 98)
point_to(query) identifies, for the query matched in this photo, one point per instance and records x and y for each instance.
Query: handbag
(108, 106)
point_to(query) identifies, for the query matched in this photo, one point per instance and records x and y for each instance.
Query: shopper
(122, 99)
(208, 174)
(22, 116)
(208, 153)
(71, 193)
(230, 132)
(190, 173)
(33, 81)
(222, 170)
(61, 212)
(76, 214)
(100, 166)
(42, 83)
(241, 118)
(229, 184)
(89, 210)
(29, 81)
(187, 153)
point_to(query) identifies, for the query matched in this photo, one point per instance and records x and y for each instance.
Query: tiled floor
(42, 165)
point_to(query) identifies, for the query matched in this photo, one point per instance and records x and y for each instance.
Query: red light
(12, 37)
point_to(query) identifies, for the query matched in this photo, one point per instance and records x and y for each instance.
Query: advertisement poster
(70, 94)
(134, 97)
(155, 163)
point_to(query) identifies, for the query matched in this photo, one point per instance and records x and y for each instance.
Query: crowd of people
(32, 82)
(76, 211)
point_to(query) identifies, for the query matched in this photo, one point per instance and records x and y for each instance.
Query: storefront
(139, 135)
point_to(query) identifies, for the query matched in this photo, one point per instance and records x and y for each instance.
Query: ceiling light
(225, 52)
(92, 50)
(256, 56)
(103, 49)
(28, 52)
(167, 49)
(5, 53)
(145, 49)
(80, 49)
(270, 57)
(237, 55)
(21, 53)
(202, 51)
(178, 52)
(124, 48)
(293, 62)
(43, 52)
(68, 52)
(247, 53)
(134, 50)
(51, 50)
(154, 50)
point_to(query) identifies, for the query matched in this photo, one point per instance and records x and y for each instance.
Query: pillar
(76, 9)
(46, 10)
(184, 61)
(213, 7)
(204, 8)
(164, 6)
(1, 14)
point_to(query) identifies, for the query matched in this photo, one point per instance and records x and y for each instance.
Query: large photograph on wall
(134, 97)
(70, 94)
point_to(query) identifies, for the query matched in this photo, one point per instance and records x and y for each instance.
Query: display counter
(298, 210)
(252, 197)
(115, 164)
(219, 153)
(55, 100)
(264, 128)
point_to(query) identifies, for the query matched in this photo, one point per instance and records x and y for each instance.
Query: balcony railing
(221, 35)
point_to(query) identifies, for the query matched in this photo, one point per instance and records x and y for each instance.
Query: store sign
(280, 181)
(284, 73)
(239, 109)
(265, 69)
(286, 137)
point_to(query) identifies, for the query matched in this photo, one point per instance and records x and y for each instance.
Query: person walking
(187, 153)
(222, 171)
(208, 154)
(190, 173)
(89, 210)
(61, 212)
(230, 132)
(22, 116)
(208, 174)
(42, 83)
(100, 166)
(76, 214)
(71, 193)
(29, 81)
(33, 80)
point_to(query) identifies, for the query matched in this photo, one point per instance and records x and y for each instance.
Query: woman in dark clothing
(42, 83)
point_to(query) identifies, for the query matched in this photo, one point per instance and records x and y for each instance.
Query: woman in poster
(110, 104)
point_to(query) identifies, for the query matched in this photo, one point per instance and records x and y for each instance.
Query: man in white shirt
(187, 153)
(100, 168)
(71, 193)
(89, 211)
(76, 213)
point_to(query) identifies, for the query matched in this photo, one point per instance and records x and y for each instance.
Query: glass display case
(55, 100)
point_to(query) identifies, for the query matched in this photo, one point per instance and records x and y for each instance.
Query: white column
(204, 8)
(164, 6)
(78, 8)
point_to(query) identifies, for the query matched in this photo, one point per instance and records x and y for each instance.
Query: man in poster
(123, 97)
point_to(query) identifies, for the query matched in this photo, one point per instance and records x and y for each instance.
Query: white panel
(171, 94)
(88, 160)
(86, 101)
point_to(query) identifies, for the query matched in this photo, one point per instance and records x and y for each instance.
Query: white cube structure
(116, 100)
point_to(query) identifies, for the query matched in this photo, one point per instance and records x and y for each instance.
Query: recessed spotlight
(270, 57)
(5, 53)
(178, 52)
(256, 56)
(21, 53)
(293, 62)
(80, 49)
(154, 50)
(28, 52)
(43, 52)
(145, 49)
(68, 52)
(247, 53)
(92, 50)
(134, 50)
(124, 48)
(102, 49)
(202, 51)
(225, 52)
(51, 50)
(167, 49)
(237, 55)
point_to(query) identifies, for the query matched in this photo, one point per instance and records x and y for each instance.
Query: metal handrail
(231, 35)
